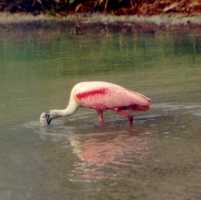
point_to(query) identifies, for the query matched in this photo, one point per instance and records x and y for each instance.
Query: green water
(158, 158)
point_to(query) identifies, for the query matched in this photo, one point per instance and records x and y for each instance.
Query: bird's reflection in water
(105, 155)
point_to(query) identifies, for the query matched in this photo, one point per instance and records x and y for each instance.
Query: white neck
(69, 110)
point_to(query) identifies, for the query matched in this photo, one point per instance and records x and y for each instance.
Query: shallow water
(158, 158)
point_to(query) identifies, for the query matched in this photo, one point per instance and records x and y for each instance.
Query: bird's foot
(130, 120)
(100, 118)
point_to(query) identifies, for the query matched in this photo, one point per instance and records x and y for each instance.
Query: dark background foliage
(118, 7)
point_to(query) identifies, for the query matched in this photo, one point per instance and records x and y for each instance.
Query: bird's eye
(47, 115)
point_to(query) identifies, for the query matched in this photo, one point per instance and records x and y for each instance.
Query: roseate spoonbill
(100, 96)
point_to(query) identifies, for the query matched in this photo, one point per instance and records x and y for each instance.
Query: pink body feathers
(102, 96)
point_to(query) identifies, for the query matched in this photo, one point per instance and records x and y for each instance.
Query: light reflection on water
(100, 152)
(102, 156)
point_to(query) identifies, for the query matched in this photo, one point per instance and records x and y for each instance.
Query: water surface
(158, 158)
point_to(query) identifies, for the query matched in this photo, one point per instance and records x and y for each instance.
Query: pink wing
(113, 97)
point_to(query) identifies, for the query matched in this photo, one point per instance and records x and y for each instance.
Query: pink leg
(127, 115)
(100, 117)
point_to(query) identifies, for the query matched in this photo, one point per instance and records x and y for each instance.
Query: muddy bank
(79, 24)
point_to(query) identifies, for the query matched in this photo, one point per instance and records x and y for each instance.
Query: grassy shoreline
(82, 22)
